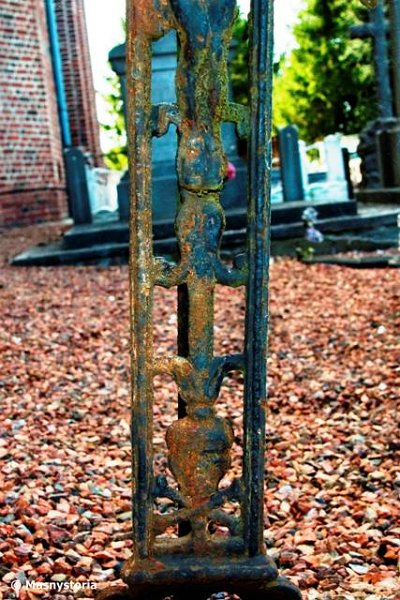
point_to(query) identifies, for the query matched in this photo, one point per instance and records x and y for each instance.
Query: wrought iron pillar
(199, 443)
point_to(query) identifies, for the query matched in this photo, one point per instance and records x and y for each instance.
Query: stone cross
(377, 30)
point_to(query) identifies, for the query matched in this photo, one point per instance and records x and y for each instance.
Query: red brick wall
(32, 183)
(78, 77)
(32, 179)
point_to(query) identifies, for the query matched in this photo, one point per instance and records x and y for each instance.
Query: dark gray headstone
(77, 186)
(290, 159)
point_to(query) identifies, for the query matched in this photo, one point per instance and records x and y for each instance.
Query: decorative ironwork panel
(199, 441)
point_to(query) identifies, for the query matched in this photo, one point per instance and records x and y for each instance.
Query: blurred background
(63, 138)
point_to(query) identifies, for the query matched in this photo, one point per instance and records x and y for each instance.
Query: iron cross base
(197, 579)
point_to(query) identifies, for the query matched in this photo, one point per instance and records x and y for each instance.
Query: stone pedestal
(379, 196)
(368, 152)
(379, 150)
(389, 155)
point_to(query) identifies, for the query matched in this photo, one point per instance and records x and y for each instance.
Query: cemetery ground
(332, 504)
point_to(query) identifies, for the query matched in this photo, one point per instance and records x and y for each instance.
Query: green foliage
(327, 83)
(239, 66)
(305, 252)
(313, 154)
(117, 157)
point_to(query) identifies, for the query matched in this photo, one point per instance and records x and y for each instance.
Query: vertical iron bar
(183, 341)
(183, 350)
(394, 20)
(141, 281)
(183, 328)
(385, 101)
(261, 54)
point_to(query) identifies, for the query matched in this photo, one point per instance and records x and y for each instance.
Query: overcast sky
(105, 31)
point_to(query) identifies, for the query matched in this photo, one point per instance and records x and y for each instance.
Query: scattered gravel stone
(332, 507)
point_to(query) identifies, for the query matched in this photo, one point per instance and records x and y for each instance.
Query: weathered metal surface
(199, 442)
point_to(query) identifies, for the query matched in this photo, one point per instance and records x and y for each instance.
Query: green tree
(327, 82)
(117, 157)
(239, 66)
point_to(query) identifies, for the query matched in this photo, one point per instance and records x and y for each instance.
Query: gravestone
(336, 175)
(334, 157)
(290, 159)
(380, 139)
(78, 187)
(165, 187)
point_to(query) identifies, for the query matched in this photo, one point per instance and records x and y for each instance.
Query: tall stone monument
(379, 147)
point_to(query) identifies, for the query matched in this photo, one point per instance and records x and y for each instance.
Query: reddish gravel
(334, 378)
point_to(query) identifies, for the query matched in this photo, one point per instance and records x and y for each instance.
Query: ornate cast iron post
(199, 442)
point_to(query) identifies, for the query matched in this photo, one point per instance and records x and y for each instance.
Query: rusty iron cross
(197, 562)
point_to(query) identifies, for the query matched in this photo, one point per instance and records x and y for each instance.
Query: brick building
(47, 104)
